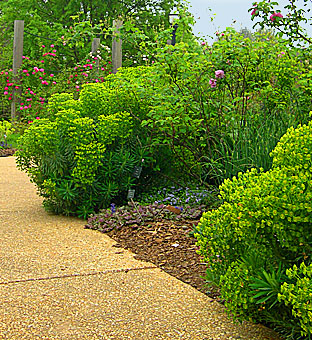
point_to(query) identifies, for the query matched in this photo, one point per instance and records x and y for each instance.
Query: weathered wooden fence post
(117, 46)
(95, 48)
(17, 62)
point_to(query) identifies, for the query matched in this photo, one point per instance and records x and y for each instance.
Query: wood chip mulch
(7, 152)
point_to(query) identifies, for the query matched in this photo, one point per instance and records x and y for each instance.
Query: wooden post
(95, 48)
(17, 62)
(117, 46)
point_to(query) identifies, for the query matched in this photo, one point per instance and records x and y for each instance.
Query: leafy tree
(87, 18)
(288, 21)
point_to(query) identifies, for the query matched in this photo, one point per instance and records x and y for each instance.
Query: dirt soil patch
(169, 246)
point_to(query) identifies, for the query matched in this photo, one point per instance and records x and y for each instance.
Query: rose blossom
(275, 15)
(219, 74)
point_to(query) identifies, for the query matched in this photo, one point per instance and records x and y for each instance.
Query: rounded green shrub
(261, 230)
(298, 295)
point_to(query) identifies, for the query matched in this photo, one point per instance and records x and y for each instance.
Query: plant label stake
(137, 172)
(130, 197)
(130, 194)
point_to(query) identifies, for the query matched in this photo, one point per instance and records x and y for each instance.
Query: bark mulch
(7, 152)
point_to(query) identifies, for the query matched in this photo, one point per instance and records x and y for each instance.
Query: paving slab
(61, 281)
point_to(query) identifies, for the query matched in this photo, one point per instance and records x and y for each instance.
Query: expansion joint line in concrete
(109, 271)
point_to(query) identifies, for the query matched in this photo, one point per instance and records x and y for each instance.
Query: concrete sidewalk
(61, 281)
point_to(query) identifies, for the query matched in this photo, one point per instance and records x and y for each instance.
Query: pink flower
(54, 51)
(42, 61)
(213, 83)
(43, 46)
(6, 88)
(10, 98)
(276, 15)
(30, 121)
(52, 45)
(37, 117)
(36, 69)
(25, 71)
(219, 74)
(41, 69)
(54, 82)
(254, 11)
(21, 107)
(5, 93)
(51, 75)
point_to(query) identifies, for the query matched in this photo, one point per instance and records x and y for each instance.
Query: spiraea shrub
(258, 243)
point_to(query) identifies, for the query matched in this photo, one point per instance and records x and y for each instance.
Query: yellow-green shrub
(79, 163)
(264, 216)
(298, 296)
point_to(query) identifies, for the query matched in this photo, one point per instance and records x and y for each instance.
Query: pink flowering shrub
(39, 79)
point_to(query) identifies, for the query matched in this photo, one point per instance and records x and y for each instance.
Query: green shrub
(6, 129)
(260, 231)
(298, 296)
(79, 163)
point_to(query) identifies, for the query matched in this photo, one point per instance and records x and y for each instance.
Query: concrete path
(61, 281)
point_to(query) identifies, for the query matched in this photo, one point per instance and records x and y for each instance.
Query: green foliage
(261, 230)
(79, 22)
(56, 103)
(78, 163)
(6, 129)
(298, 296)
(288, 22)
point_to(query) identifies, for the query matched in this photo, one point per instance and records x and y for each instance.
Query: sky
(224, 13)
